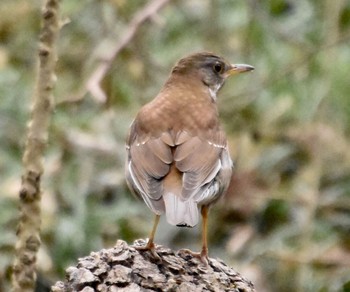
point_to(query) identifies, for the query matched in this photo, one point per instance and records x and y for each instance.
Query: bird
(178, 160)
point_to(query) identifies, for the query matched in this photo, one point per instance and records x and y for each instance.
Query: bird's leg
(150, 244)
(203, 255)
(204, 252)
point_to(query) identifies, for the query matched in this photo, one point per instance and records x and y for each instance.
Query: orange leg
(150, 244)
(204, 252)
(203, 255)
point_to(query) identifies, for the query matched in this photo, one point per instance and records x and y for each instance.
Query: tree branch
(28, 237)
(93, 85)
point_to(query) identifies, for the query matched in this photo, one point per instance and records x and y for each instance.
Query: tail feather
(179, 212)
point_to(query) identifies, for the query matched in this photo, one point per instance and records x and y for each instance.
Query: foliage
(285, 222)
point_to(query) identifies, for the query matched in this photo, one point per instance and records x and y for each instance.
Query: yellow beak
(238, 68)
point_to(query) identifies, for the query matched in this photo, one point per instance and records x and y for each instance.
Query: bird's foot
(151, 247)
(202, 256)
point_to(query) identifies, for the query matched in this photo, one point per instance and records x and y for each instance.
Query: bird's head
(211, 69)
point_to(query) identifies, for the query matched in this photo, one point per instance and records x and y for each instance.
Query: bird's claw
(150, 246)
(202, 256)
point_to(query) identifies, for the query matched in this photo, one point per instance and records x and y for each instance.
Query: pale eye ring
(218, 67)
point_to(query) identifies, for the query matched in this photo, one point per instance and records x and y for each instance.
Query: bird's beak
(238, 68)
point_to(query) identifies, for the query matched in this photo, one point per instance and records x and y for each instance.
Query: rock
(123, 268)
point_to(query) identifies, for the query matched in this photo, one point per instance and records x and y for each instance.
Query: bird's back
(177, 153)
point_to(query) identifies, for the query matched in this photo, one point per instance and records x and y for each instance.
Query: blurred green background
(285, 222)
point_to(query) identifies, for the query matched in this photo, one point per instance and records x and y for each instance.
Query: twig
(93, 84)
(28, 241)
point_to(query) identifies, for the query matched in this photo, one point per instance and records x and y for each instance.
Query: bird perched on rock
(177, 154)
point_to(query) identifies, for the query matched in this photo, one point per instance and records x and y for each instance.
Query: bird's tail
(179, 212)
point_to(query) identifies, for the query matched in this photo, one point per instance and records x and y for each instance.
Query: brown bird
(177, 154)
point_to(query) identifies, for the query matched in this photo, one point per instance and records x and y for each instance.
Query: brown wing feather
(148, 162)
(201, 162)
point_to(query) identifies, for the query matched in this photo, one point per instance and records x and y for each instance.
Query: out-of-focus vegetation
(285, 222)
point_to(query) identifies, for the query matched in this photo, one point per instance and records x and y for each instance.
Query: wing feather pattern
(200, 171)
(148, 162)
(201, 161)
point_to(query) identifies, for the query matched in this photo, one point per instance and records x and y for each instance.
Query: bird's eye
(218, 67)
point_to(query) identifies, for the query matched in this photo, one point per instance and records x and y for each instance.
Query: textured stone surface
(123, 268)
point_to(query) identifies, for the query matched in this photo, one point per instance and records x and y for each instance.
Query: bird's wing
(202, 160)
(149, 160)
